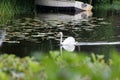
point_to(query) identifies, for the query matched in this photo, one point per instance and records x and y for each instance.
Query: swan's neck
(61, 38)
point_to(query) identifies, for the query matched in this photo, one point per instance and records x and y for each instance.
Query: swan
(70, 41)
(67, 41)
(68, 44)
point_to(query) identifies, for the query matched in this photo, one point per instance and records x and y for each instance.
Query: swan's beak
(58, 35)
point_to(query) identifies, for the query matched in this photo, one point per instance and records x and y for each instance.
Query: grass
(6, 12)
(9, 8)
(56, 66)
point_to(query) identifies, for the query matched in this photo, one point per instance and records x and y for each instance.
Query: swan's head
(60, 34)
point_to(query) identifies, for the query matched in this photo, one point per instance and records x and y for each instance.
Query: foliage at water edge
(56, 66)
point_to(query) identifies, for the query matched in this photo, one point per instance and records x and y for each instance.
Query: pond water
(27, 35)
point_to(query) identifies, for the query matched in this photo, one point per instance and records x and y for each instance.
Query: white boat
(63, 5)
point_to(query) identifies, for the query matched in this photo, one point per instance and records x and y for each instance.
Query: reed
(6, 11)
(9, 8)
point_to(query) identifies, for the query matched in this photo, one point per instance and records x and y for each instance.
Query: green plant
(9, 8)
(57, 66)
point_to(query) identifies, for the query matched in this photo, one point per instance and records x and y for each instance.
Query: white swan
(71, 41)
(67, 41)
(68, 44)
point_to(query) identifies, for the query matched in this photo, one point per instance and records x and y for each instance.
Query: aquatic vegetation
(34, 29)
(56, 66)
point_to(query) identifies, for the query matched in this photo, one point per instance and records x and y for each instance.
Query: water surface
(33, 34)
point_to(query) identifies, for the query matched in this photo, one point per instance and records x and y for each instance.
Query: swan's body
(68, 41)
(69, 48)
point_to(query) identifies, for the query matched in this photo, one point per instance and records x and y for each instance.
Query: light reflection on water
(38, 35)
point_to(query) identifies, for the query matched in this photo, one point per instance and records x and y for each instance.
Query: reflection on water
(65, 17)
(71, 47)
(25, 36)
(2, 36)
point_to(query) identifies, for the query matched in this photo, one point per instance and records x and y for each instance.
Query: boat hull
(59, 5)
(70, 10)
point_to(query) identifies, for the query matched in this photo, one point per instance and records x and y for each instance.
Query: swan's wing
(69, 41)
(69, 47)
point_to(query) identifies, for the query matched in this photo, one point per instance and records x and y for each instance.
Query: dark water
(34, 34)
